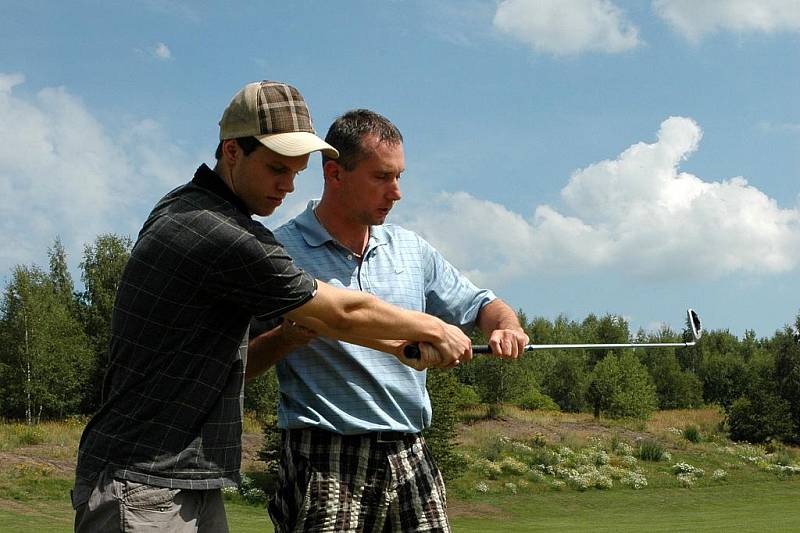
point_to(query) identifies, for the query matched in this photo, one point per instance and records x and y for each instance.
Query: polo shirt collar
(207, 179)
(316, 235)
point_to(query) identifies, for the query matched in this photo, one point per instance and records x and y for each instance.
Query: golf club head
(695, 325)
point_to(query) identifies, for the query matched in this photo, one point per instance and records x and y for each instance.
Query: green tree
(786, 345)
(499, 380)
(760, 416)
(565, 381)
(723, 375)
(261, 396)
(46, 353)
(620, 386)
(495, 380)
(443, 389)
(610, 329)
(765, 410)
(676, 388)
(59, 274)
(101, 270)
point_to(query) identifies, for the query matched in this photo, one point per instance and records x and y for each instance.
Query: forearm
(497, 315)
(343, 313)
(267, 349)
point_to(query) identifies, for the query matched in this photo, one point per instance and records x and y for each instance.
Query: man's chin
(265, 211)
(380, 219)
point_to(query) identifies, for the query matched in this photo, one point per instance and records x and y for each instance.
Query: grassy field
(757, 493)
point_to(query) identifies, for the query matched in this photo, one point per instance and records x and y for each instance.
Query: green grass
(36, 475)
(762, 506)
(765, 506)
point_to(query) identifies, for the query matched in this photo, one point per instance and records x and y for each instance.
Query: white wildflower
(623, 448)
(511, 465)
(719, 474)
(635, 480)
(686, 480)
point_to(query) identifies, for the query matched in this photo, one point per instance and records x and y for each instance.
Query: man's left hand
(508, 343)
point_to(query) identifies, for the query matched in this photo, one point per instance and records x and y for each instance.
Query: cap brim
(297, 143)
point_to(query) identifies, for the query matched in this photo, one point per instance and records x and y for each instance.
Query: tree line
(54, 352)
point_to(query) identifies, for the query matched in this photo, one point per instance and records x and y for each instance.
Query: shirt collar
(315, 234)
(207, 179)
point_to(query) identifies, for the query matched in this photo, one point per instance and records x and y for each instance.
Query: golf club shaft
(484, 348)
(411, 351)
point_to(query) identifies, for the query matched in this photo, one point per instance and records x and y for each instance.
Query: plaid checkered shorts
(376, 482)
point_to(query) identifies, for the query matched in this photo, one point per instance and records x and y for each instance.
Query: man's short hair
(247, 144)
(347, 133)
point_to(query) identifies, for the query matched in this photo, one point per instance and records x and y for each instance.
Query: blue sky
(577, 156)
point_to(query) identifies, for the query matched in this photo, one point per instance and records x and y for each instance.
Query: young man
(168, 435)
(353, 459)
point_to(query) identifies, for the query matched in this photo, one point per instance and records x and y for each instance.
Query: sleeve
(257, 273)
(449, 295)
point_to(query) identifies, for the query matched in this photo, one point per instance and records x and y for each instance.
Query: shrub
(487, 468)
(634, 480)
(250, 492)
(691, 433)
(719, 474)
(780, 455)
(650, 450)
(494, 411)
(535, 399)
(510, 465)
(621, 447)
(686, 468)
(494, 448)
(467, 395)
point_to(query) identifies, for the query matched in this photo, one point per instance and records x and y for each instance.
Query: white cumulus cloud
(637, 213)
(567, 27)
(62, 172)
(695, 19)
(162, 51)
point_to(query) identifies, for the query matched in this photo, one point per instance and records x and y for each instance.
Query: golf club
(411, 351)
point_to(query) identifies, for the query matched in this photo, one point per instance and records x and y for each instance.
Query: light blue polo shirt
(350, 389)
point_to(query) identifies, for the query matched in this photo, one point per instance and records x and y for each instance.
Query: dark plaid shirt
(200, 269)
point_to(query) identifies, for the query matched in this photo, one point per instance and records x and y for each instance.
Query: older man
(353, 458)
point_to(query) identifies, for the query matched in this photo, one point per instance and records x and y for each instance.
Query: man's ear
(230, 150)
(332, 171)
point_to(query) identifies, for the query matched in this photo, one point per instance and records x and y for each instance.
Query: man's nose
(287, 185)
(394, 193)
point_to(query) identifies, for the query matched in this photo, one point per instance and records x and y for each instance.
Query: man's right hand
(426, 356)
(453, 348)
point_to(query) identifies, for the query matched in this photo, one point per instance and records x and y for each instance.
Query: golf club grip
(411, 351)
